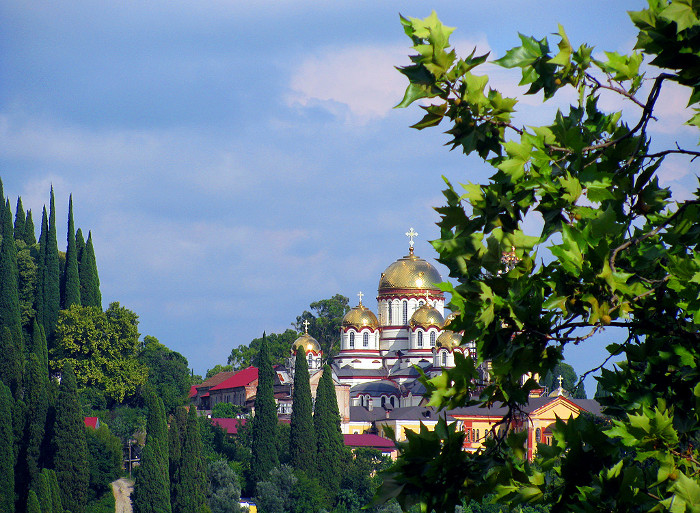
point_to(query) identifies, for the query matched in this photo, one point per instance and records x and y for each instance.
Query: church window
(311, 360)
(405, 312)
(444, 358)
(469, 435)
(420, 303)
(388, 305)
(432, 339)
(477, 436)
(420, 339)
(383, 401)
(365, 339)
(352, 340)
(538, 435)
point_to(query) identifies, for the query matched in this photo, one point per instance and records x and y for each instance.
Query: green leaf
(682, 12)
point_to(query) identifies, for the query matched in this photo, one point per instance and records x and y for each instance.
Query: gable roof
(240, 379)
(216, 379)
(534, 404)
(229, 425)
(368, 440)
(193, 392)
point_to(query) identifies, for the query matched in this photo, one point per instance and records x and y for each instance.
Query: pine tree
(43, 491)
(264, 449)
(193, 483)
(152, 489)
(329, 438)
(89, 279)
(302, 443)
(29, 234)
(70, 284)
(7, 455)
(11, 346)
(51, 294)
(33, 503)
(20, 220)
(70, 453)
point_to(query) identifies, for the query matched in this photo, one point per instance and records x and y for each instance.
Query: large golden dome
(360, 317)
(307, 343)
(449, 340)
(425, 317)
(410, 272)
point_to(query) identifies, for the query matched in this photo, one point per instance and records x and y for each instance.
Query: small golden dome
(449, 340)
(426, 316)
(360, 317)
(308, 343)
(410, 272)
(449, 319)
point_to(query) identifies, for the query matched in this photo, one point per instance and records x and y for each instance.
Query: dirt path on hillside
(122, 489)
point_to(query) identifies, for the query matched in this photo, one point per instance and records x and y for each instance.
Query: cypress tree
(79, 246)
(38, 401)
(176, 435)
(264, 448)
(56, 503)
(20, 220)
(70, 284)
(52, 277)
(7, 455)
(29, 234)
(193, 483)
(43, 491)
(152, 489)
(302, 444)
(41, 270)
(33, 503)
(89, 280)
(329, 438)
(12, 347)
(70, 446)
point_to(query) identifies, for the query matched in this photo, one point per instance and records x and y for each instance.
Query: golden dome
(410, 272)
(449, 319)
(449, 340)
(360, 317)
(307, 343)
(426, 316)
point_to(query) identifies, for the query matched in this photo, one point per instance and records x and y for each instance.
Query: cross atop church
(560, 380)
(306, 325)
(411, 234)
(360, 295)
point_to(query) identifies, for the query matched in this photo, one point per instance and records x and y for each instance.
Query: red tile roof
(193, 392)
(92, 422)
(240, 379)
(368, 440)
(230, 425)
(216, 379)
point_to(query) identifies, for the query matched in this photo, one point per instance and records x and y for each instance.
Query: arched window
(383, 401)
(365, 339)
(405, 312)
(352, 340)
(477, 436)
(311, 360)
(420, 303)
(420, 339)
(538, 435)
(444, 358)
(469, 435)
(432, 339)
(388, 306)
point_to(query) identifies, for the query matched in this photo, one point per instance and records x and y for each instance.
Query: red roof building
(386, 446)
(92, 422)
(237, 389)
(231, 426)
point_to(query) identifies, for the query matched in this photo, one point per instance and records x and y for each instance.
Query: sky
(236, 161)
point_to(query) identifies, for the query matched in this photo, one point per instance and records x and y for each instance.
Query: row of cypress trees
(172, 476)
(42, 433)
(316, 445)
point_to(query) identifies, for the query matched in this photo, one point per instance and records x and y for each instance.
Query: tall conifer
(89, 280)
(331, 448)
(264, 449)
(302, 443)
(20, 220)
(70, 284)
(192, 485)
(38, 401)
(29, 234)
(80, 249)
(51, 282)
(43, 491)
(56, 503)
(176, 436)
(70, 446)
(33, 503)
(7, 455)
(152, 489)
(41, 270)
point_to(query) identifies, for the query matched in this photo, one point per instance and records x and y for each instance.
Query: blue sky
(236, 161)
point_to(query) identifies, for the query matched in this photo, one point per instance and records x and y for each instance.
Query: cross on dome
(560, 380)
(411, 234)
(306, 325)
(360, 295)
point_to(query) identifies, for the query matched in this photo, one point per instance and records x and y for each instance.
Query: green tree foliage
(70, 283)
(20, 220)
(279, 345)
(56, 502)
(332, 454)
(51, 275)
(102, 347)
(152, 488)
(264, 449)
(29, 230)
(168, 373)
(79, 249)
(570, 381)
(192, 484)
(70, 448)
(287, 491)
(33, 503)
(302, 442)
(7, 452)
(624, 258)
(90, 294)
(360, 477)
(224, 489)
(325, 319)
(104, 458)
(226, 411)
(37, 397)
(43, 492)
(27, 286)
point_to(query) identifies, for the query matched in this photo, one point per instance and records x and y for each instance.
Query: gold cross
(360, 295)
(411, 234)
(306, 325)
